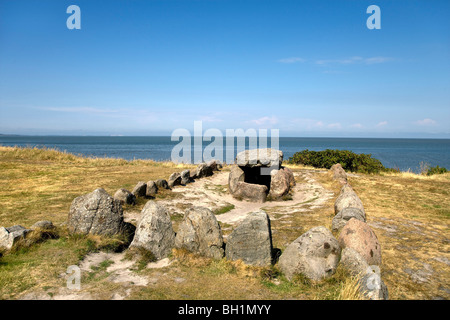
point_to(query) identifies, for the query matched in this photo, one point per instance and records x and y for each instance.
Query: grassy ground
(409, 214)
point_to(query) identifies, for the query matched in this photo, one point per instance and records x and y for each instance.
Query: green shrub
(436, 170)
(349, 160)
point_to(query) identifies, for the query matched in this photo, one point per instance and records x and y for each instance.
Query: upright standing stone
(174, 179)
(251, 241)
(140, 190)
(200, 232)
(154, 231)
(152, 189)
(185, 176)
(96, 213)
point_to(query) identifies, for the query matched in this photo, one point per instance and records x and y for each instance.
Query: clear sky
(307, 68)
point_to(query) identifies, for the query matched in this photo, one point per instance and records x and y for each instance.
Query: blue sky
(307, 68)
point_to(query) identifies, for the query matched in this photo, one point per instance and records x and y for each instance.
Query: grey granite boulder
(203, 170)
(140, 190)
(154, 231)
(43, 225)
(372, 286)
(353, 262)
(348, 199)
(174, 179)
(315, 254)
(125, 197)
(185, 177)
(9, 236)
(290, 175)
(200, 232)
(161, 183)
(251, 240)
(341, 219)
(236, 175)
(338, 173)
(96, 213)
(250, 191)
(260, 158)
(279, 183)
(152, 189)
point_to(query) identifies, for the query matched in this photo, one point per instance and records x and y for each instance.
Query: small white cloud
(334, 126)
(292, 60)
(382, 124)
(265, 120)
(354, 60)
(426, 122)
(356, 125)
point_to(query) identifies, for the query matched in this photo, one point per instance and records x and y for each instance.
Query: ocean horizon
(405, 154)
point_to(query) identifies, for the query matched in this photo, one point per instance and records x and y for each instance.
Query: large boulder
(236, 175)
(260, 158)
(290, 175)
(125, 197)
(185, 176)
(161, 183)
(140, 190)
(360, 237)
(96, 213)
(279, 183)
(315, 254)
(214, 165)
(203, 170)
(353, 262)
(338, 173)
(9, 236)
(152, 189)
(200, 232)
(250, 191)
(341, 219)
(348, 199)
(251, 240)
(154, 231)
(174, 179)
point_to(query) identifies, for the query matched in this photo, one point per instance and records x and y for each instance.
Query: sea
(402, 154)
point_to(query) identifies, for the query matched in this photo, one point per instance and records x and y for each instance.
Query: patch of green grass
(224, 209)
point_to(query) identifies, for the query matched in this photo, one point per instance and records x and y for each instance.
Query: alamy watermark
(74, 278)
(190, 147)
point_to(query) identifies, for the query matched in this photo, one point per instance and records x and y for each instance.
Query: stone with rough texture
(154, 231)
(250, 191)
(185, 176)
(96, 213)
(9, 236)
(290, 176)
(341, 219)
(315, 254)
(346, 199)
(251, 240)
(214, 165)
(140, 190)
(236, 175)
(200, 232)
(260, 158)
(279, 184)
(125, 197)
(152, 189)
(174, 179)
(161, 183)
(353, 262)
(339, 173)
(203, 170)
(373, 288)
(359, 236)
(43, 225)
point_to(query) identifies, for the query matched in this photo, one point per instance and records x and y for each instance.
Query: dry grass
(409, 213)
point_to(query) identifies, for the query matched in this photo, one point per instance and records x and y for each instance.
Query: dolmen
(258, 174)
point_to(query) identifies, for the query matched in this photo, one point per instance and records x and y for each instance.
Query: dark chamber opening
(253, 175)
